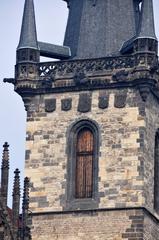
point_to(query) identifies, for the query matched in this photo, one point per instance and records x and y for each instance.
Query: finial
(6, 146)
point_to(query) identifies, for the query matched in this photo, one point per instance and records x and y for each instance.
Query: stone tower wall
(121, 124)
(96, 225)
(152, 125)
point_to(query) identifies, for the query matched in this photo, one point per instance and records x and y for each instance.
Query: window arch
(83, 141)
(156, 173)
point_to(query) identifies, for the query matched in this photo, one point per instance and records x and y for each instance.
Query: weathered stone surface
(103, 101)
(66, 104)
(121, 146)
(50, 105)
(126, 144)
(120, 100)
(110, 225)
(85, 226)
(84, 104)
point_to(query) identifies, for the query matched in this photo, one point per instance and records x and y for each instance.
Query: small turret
(5, 174)
(28, 50)
(146, 40)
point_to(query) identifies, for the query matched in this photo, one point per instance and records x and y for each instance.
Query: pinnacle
(147, 29)
(28, 36)
(6, 146)
(16, 186)
(16, 172)
(5, 156)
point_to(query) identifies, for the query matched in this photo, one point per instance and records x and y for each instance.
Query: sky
(51, 18)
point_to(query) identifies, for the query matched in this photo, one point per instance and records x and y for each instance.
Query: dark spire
(16, 201)
(147, 29)
(5, 174)
(146, 40)
(93, 28)
(25, 205)
(25, 211)
(28, 36)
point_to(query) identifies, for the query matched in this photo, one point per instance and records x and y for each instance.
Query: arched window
(156, 174)
(83, 140)
(84, 164)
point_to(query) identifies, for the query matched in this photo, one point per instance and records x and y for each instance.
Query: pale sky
(51, 18)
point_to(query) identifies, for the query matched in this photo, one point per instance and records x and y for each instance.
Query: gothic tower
(92, 140)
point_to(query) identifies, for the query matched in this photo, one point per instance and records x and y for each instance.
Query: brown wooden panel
(84, 164)
(85, 141)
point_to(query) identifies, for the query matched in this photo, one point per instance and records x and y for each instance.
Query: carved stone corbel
(80, 78)
(120, 76)
(144, 92)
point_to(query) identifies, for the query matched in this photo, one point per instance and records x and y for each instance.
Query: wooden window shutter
(84, 164)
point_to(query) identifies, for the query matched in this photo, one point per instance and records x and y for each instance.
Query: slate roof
(28, 36)
(54, 51)
(147, 20)
(95, 28)
(100, 28)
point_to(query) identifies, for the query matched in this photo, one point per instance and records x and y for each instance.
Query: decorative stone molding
(66, 104)
(50, 105)
(80, 78)
(120, 76)
(84, 104)
(144, 92)
(120, 100)
(103, 101)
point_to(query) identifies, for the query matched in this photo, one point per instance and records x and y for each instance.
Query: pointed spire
(147, 27)
(26, 195)
(5, 174)
(28, 37)
(5, 157)
(16, 201)
(25, 211)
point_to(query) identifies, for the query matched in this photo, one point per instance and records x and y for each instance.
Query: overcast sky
(51, 17)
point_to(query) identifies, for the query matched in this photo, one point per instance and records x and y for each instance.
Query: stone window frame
(156, 172)
(81, 203)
